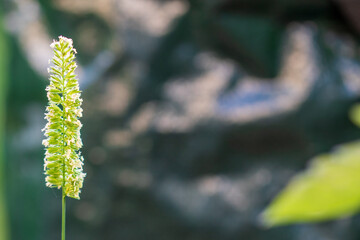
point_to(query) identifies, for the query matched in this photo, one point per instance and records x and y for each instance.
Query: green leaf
(55, 126)
(55, 79)
(55, 71)
(66, 51)
(64, 46)
(56, 62)
(52, 140)
(70, 76)
(54, 134)
(55, 98)
(328, 189)
(53, 169)
(55, 90)
(58, 48)
(73, 92)
(71, 85)
(55, 108)
(57, 54)
(55, 158)
(53, 150)
(355, 114)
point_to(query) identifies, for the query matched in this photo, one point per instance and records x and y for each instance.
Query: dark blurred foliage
(196, 113)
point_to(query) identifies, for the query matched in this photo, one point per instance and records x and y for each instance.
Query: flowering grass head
(63, 161)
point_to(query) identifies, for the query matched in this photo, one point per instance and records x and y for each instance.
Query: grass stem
(63, 215)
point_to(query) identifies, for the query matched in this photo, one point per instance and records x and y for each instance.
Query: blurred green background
(196, 114)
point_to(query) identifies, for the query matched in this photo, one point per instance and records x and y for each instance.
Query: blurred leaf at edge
(3, 76)
(328, 189)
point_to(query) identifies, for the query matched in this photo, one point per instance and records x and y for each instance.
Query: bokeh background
(196, 114)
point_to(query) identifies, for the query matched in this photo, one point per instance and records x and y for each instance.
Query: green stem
(63, 166)
(63, 215)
